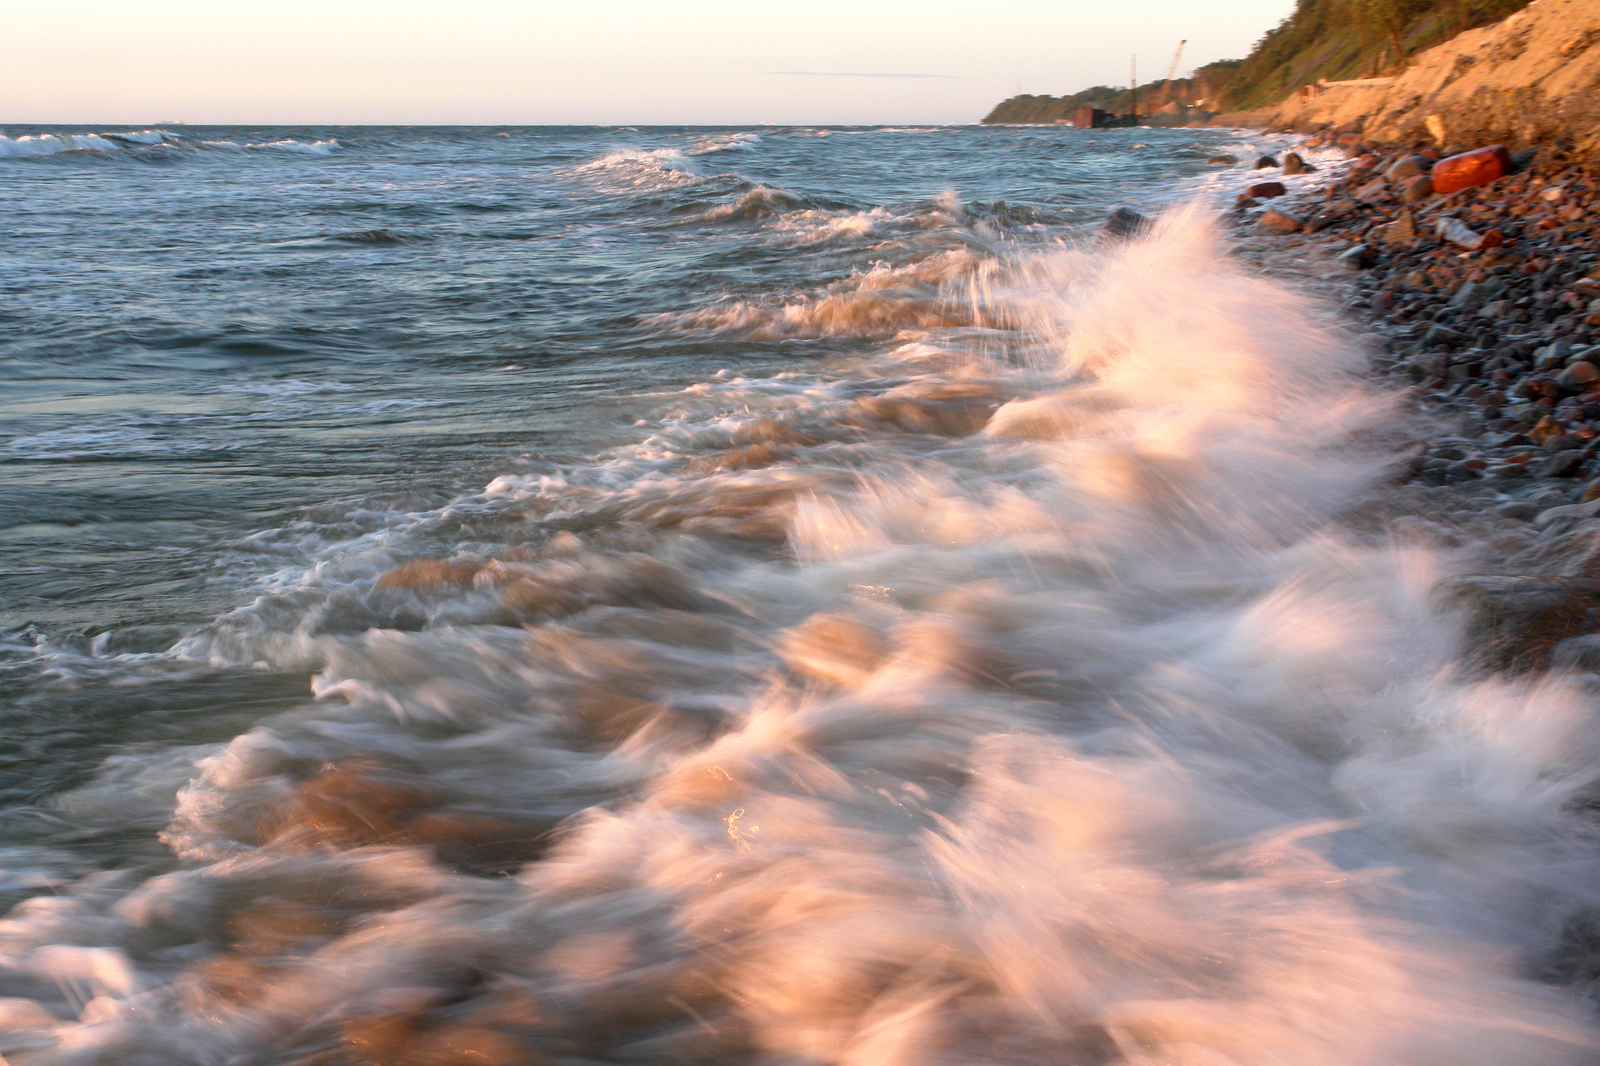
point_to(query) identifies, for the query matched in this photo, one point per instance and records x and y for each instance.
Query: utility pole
(1133, 86)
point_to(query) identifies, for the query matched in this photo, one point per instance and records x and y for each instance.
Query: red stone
(1274, 221)
(1492, 239)
(1478, 167)
(1266, 190)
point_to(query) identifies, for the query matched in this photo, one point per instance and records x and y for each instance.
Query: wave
(730, 142)
(642, 168)
(759, 202)
(143, 142)
(1013, 695)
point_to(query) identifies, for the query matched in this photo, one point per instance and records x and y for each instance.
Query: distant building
(1090, 118)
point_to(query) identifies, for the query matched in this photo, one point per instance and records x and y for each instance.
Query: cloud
(852, 74)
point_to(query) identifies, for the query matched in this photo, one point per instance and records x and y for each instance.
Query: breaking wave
(1009, 694)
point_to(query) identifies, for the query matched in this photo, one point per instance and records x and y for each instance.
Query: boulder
(1223, 159)
(1293, 164)
(1266, 190)
(1124, 223)
(1478, 167)
(1265, 161)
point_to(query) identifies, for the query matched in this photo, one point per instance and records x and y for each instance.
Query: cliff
(1528, 79)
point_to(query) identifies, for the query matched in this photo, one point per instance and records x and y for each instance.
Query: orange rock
(1266, 190)
(1274, 221)
(1478, 167)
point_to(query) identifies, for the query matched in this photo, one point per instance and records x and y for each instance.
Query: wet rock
(1293, 164)
(1514, 623)
(1124, 223)
(1522, 160)
(1478, 167)
(1263, 162)
(1275, 221)
(1562, 464)
(1266, 190)
(1356, 257)
(1223, 160)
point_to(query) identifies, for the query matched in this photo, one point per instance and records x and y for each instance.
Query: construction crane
(1173, 70)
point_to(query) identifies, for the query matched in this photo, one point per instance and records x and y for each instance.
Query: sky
(516, 62)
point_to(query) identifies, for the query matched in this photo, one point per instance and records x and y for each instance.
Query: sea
(785, 596)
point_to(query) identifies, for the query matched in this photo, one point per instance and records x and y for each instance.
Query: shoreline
(1493, 352)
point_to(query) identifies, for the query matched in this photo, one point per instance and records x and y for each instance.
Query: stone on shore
(1265, 190)
(1265, 162)
(1416, 189)
(1477, 167)
(1293, 164)
(1275, 221)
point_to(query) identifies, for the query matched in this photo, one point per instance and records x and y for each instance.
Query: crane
(1173, 70)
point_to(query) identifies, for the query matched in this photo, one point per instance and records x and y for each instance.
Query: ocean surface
(784, 596)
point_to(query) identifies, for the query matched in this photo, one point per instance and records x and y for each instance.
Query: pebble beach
(1482, 306)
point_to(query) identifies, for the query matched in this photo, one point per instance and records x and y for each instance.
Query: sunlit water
(782, 596)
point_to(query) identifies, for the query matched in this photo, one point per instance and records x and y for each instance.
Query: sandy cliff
(1534, 78)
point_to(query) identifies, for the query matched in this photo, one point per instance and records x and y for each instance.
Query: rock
(1471, 294)
(1564, 463)
(1223, 160)
(1478, 167)
(1355, 257)
(1514, 623)
(1372, 191)
(1520, 161)
(1403, 230)
(1266, 190)
(1578, 654)
(1416, 189)
(1124, 223)
(1438, 333)
(1293, 164)
(1457, 233)
(1578, 374)
(1264, 162)
(1408, 167)
(1275, 221)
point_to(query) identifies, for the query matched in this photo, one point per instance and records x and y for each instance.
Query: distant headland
(1323, 40)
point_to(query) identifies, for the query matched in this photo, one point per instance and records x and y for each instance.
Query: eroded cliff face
(1533, 78)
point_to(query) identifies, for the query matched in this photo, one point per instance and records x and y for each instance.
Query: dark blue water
(770, 596)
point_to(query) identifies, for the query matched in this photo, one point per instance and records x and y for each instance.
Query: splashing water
(1012, 693)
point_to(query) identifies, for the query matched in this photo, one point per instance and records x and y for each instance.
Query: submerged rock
(1124, 223)
(1513, 623)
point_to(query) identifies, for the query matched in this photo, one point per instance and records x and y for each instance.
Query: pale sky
(605, 61)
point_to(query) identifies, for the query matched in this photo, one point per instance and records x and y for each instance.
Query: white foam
(884, 729)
